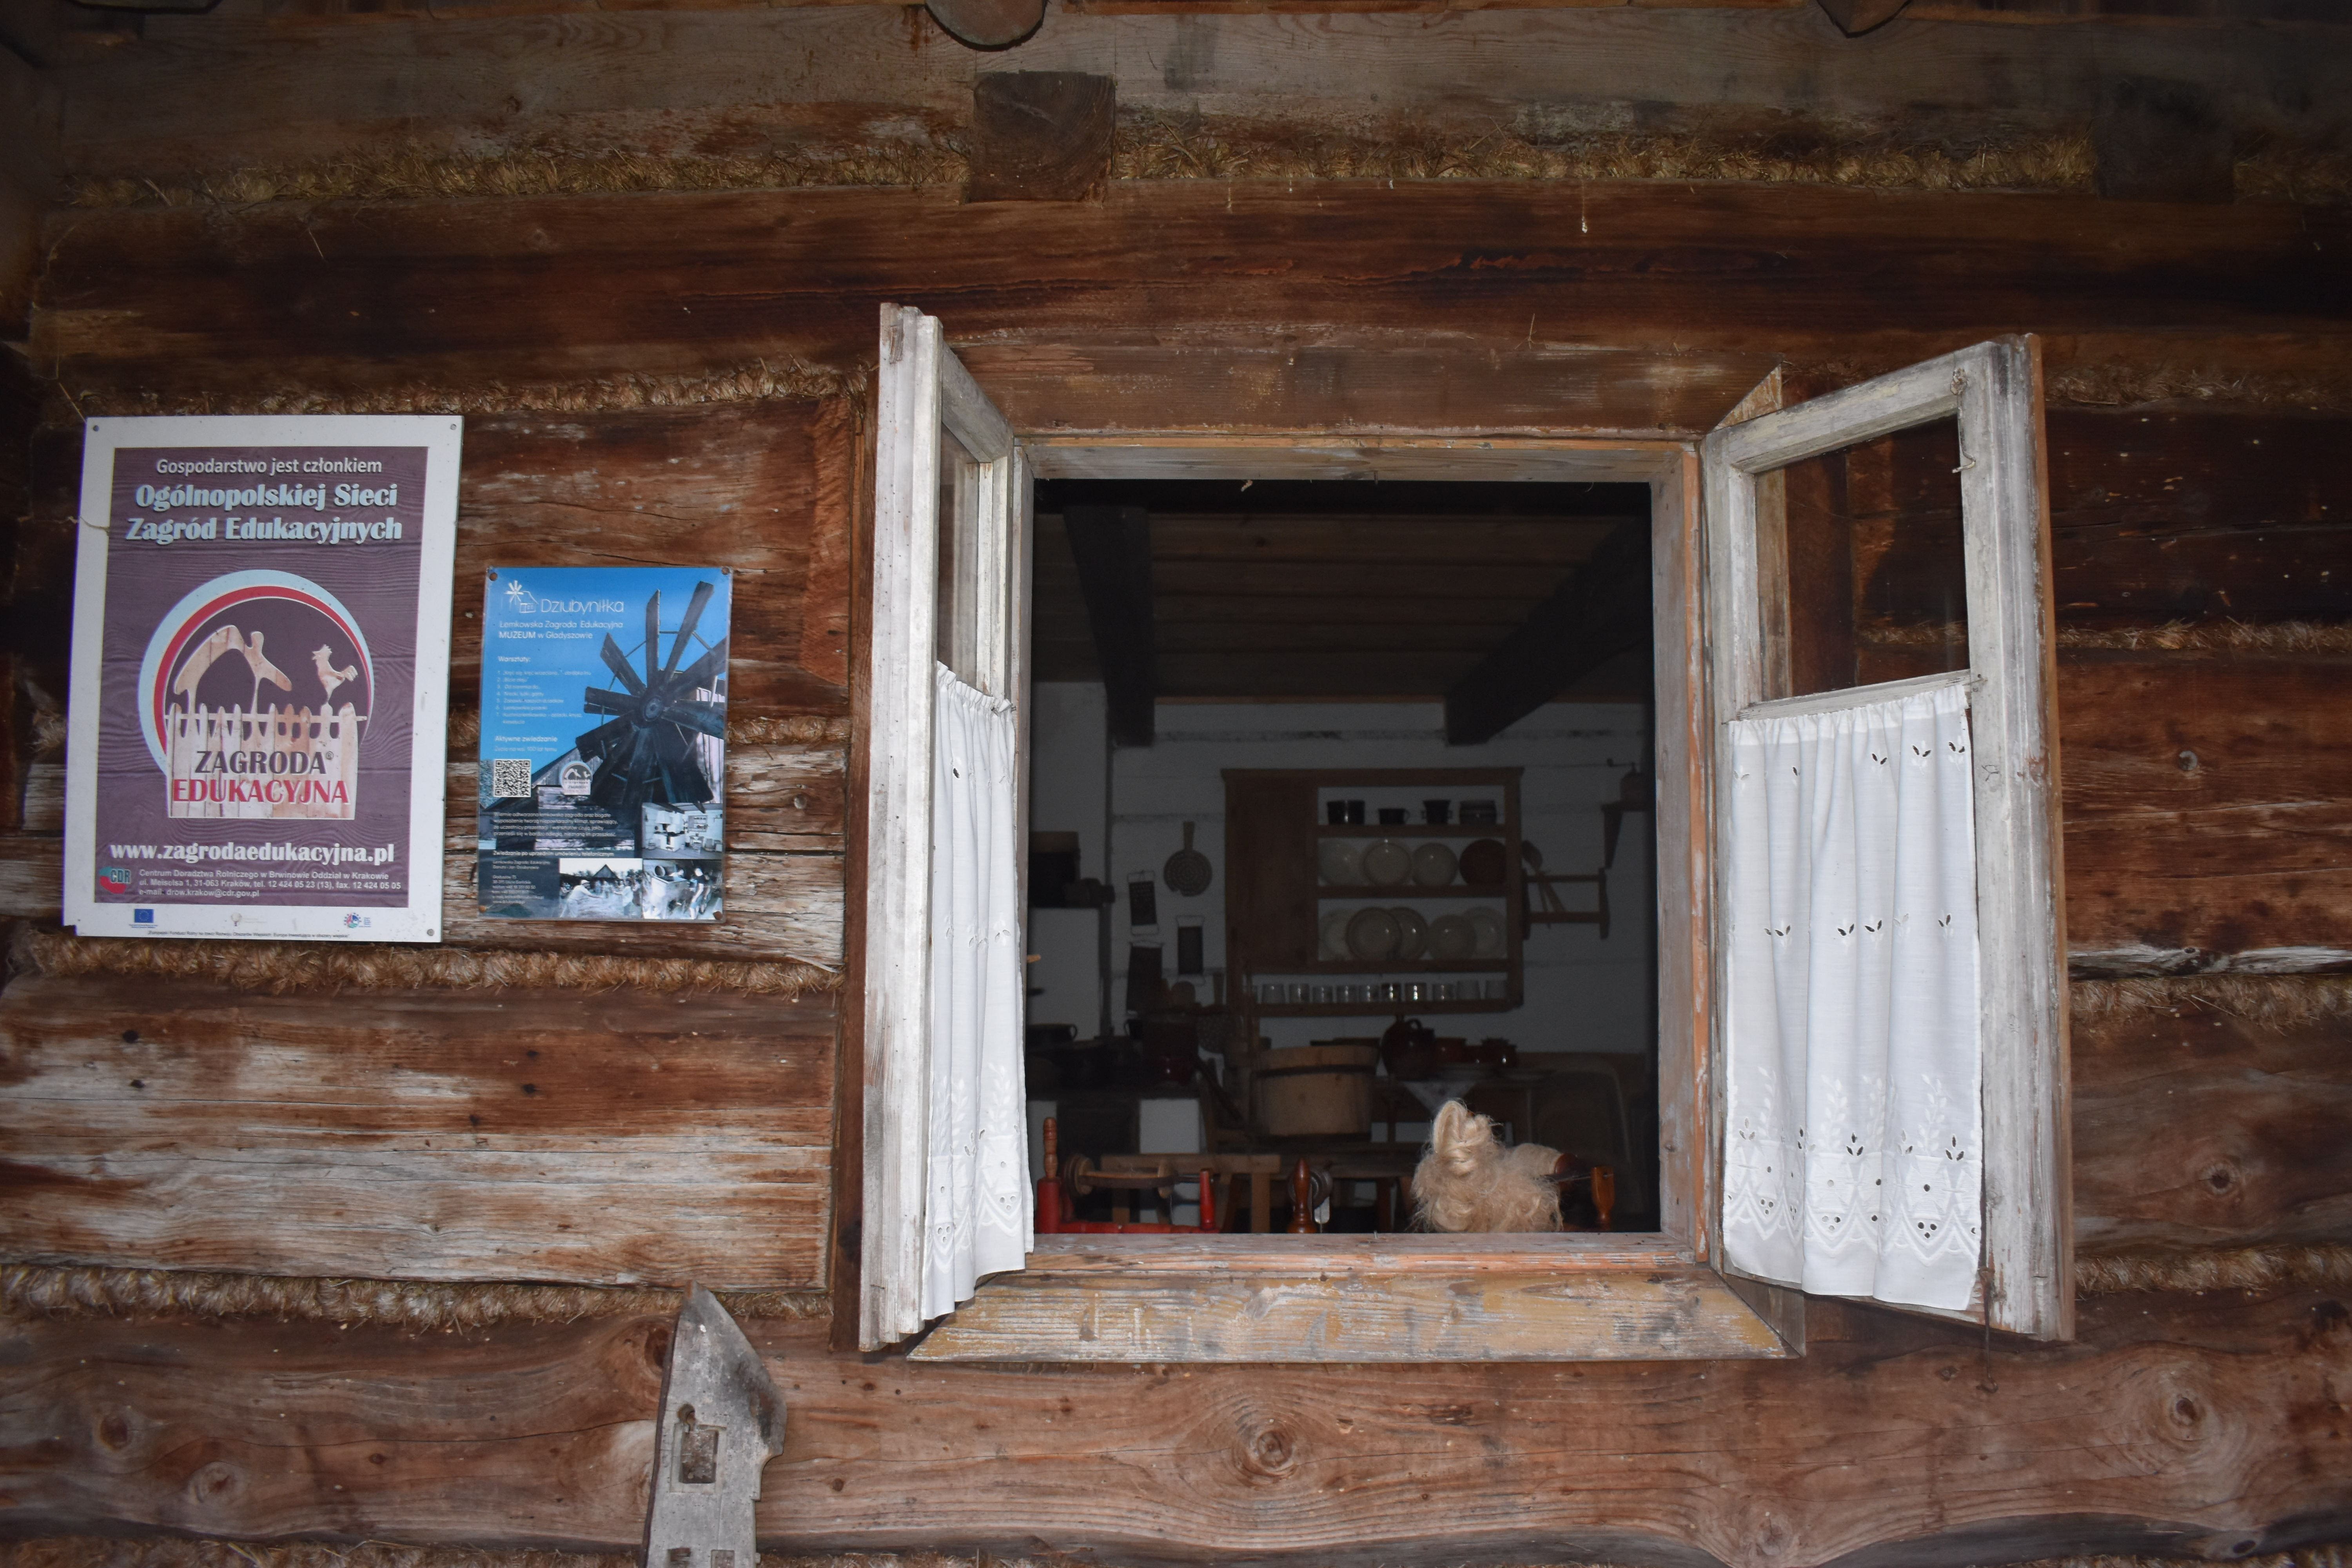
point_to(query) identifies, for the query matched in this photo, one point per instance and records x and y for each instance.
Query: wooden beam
(711, 80)
(987, 24)
(2215, 1419)
(2211, 1114)
(2158, 141)
(1040, 136)
(345, 297)
(1599, 611)
(624, 1138)
(1112, 546)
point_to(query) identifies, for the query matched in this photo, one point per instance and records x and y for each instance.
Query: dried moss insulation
(161, 1552)
(2283, 637)
(30, 1291)
(750, 382)
(277, 969)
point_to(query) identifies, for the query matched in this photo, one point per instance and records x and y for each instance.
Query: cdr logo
(113, 879)
(354, 921)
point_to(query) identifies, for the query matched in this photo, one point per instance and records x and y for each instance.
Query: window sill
(1357, 1299)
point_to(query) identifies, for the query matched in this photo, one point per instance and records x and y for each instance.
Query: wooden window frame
(1356, 1299)
(1351, 1298)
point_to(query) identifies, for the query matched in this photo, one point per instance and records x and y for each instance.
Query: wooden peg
(1302, 1200)
(1049, 1188)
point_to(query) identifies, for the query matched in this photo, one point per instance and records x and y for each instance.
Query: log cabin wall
(347, 1244)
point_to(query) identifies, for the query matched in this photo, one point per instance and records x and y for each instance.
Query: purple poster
(261, 632)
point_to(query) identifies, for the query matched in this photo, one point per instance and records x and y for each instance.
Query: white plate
(1413, 932)
(1452, 936)
(1433, 865)
(1373, 934)
(1341, 863)
(1335, 935)
(1487, 929)
(1387, 864)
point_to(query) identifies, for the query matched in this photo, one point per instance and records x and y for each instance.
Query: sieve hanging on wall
(1187, 871)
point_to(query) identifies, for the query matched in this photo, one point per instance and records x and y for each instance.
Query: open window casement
(1891, 1100)
(946, 1193)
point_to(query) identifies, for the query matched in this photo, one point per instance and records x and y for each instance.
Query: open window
(952, 552)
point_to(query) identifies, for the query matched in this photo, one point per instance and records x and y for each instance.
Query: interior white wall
(1583, 993)
(1068, 753)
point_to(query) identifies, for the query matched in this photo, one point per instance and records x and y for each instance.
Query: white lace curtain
(977, 1210)
(1854, 1111)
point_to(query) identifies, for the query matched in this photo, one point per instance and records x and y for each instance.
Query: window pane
(1869, 550)
(958, 632)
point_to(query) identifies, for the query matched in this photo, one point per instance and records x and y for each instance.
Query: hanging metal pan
(1188, 870)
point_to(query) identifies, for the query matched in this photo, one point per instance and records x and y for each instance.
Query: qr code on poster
(509, 778)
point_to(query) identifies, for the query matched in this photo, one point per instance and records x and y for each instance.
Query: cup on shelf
(1449, 991)
(1299, 991)
(1335, 812)
(1479, 813)
(1416, 990)
(1269, 992)
(1388, 991)
(1326, 995)
(1436, 813)
(1355, 812)
(1393, 817)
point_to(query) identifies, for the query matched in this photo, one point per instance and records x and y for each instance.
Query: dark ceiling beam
(1112, 545)
(1599, 611)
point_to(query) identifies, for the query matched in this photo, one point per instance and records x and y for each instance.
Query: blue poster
(603, 743)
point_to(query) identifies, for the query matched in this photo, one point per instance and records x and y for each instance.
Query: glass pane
(1864, 545)
(958, 633)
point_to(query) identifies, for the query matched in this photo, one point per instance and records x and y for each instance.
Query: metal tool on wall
(1187, 871)
(721, 1420)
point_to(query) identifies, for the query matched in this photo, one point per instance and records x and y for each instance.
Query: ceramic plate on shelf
(1433, 865)
(1487, 933)
(1373, 934)
(1341, 863)
(1335, 935)
(1452, 936)
(1387, 864)
(1413, 932)
(1482, 863)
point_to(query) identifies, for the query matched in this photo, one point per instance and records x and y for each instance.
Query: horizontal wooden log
(467, 293)
(2155, 516)
(725, 485)
(784, 906)
(2205, 804)
(2212, 1423)
(719, 80)
(611, 1138)
(2216, 1121)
